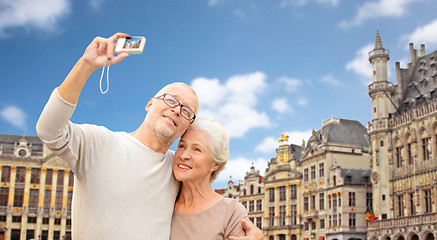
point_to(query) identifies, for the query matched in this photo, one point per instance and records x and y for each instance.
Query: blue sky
(261, 67)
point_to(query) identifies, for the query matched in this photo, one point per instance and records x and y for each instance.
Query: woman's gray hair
(219, 142)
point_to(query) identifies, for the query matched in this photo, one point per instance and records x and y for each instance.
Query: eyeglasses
(173, 102)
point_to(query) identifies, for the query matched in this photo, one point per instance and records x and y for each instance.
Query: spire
(379, 51)
(378, 41)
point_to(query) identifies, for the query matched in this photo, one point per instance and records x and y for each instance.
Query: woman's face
(193, 157)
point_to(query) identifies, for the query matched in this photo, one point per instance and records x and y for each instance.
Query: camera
(131, 45)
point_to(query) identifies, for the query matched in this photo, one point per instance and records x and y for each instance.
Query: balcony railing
(427, 218)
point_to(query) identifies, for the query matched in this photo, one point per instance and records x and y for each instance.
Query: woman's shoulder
(233, 204)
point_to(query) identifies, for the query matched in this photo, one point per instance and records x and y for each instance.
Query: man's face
(167, 122)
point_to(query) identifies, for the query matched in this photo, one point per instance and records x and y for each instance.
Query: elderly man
(124, 187)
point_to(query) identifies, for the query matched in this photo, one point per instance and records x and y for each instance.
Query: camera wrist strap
(107, 80)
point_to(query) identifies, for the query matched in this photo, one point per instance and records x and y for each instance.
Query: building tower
(381, 92)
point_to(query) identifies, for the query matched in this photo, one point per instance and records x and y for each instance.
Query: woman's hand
(100, 52)
(252, 232)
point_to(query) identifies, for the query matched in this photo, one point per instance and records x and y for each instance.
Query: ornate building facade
(35, 190)
(403, 136)
(319, 190)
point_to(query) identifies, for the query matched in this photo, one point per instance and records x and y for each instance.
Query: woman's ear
(215, 166)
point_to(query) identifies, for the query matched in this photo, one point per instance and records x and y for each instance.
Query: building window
(35, 175)
(58, 200)
(293, 191)
(305, 204)
(369, 200)
(339, 219)
(410, 154)
(272, 216)
(282, 215)
(381, 143)
(428, 202)
(321, 170)
(18, 197)
(31, 220)
(425, 148)
(334, 200)
(307, 228)
(282, 193)
(57, 221)
(400, 205)
(330, 221)
(16, 219)
(244, 204)
(334, 180)
(4, 195)
(70, 199)
(6, 174)
(329, 202)
(334, 220)
(322, 223)
(259, 205)
(70, 179)
(49, 176)
(399, 159)
(21, 175)
(271, 194)
(33, 198)
(313, 202)
(251, 206)
(259, 222)
(305, 174)
(313, 226)
(352, 220)
(313, 172)
(412, 205)
(322, 201)
(60, 181)
(47, 198)
(339, 200)
(352, 199)
(293, 214)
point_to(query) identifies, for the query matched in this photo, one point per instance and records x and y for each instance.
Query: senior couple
(130, 185)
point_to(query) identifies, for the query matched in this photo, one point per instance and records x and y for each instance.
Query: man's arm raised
(99, 53)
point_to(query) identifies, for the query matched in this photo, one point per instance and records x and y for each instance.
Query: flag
(369, 214)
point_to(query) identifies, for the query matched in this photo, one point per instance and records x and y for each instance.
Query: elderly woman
(200, 212)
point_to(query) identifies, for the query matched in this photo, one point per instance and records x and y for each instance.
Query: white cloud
(302, 102)
(42, 15)
(96, 4)
(212, 3)
(332, 2)
(291, 84)
(379, 8)
(234, 102)
(269, 144)
(238, 167)
(361, 66)
(281, 105)
(329, 79)
(286, 3)
(239, 13)
(14, 116)
(424, 34)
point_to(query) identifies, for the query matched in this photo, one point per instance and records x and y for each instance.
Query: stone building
(403, 136)
(282, 198)
(331, 154)
(35, 190)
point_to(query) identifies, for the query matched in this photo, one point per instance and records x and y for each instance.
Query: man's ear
(149, 104)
